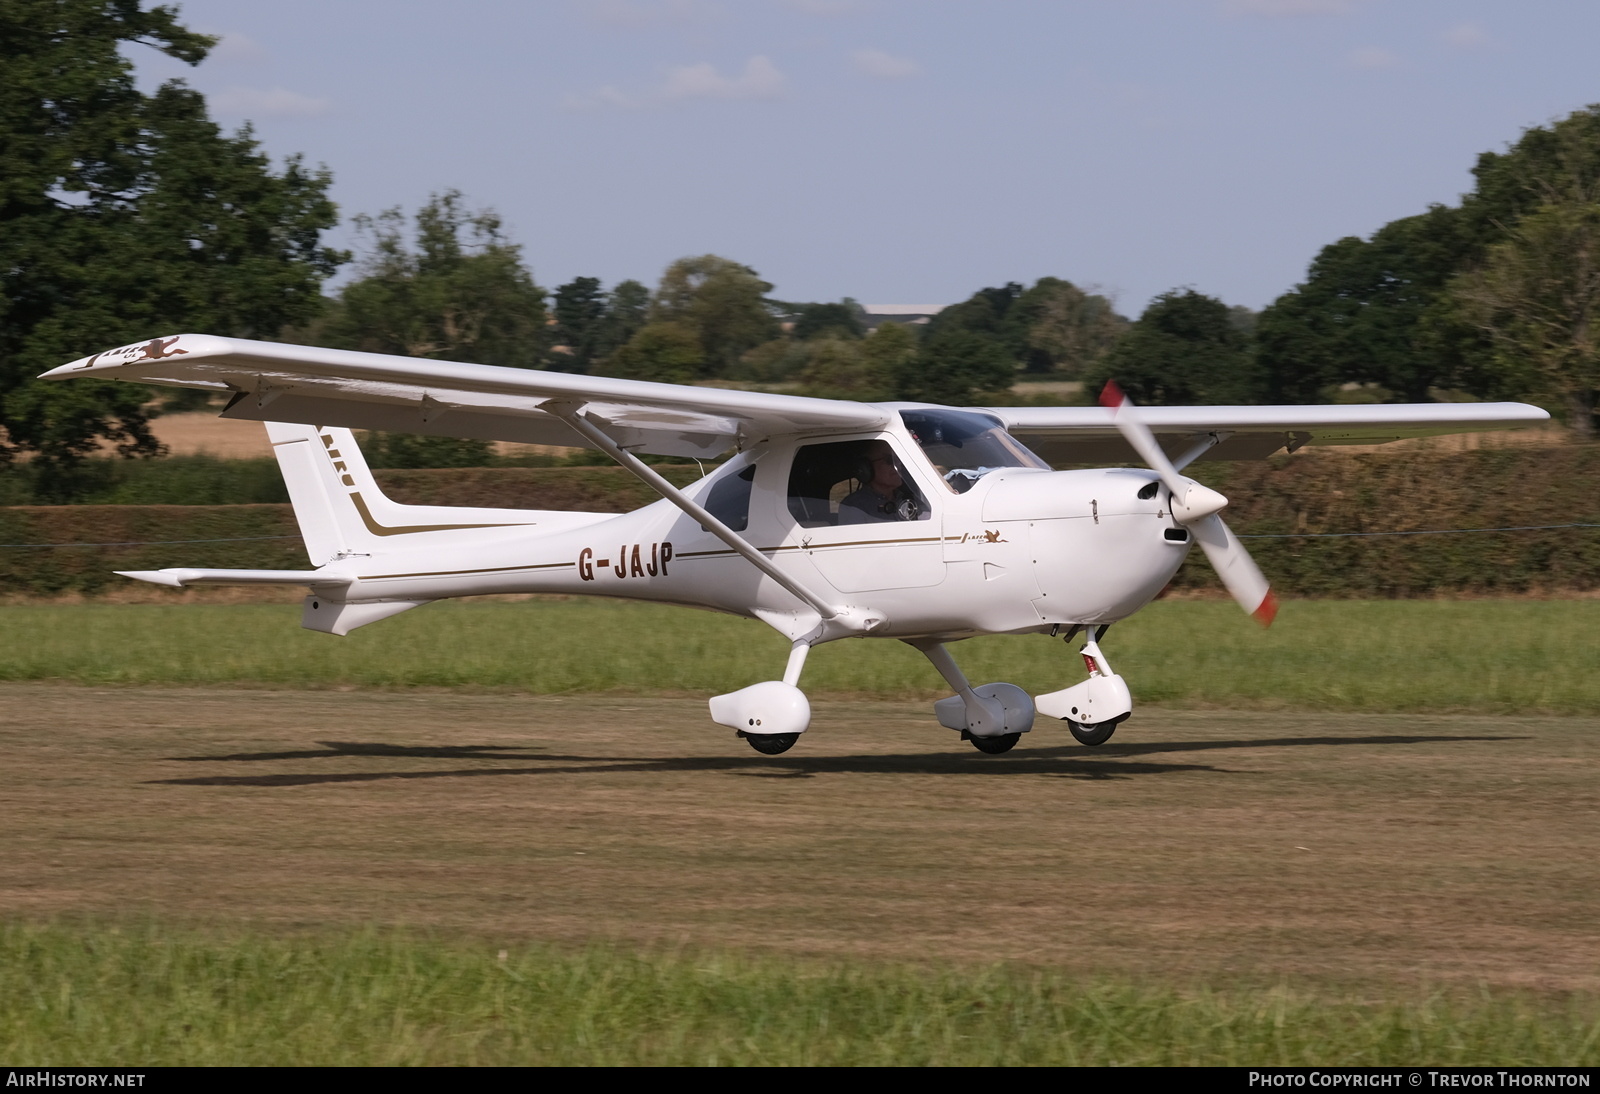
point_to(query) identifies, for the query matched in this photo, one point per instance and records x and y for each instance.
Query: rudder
(342, 511)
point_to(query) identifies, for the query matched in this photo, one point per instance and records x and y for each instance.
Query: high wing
(1089, 434)
(272, 381)
(277, 382)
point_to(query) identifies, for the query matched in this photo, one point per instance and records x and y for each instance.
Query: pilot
(884, 494)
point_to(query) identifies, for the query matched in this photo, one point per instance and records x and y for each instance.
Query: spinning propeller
(1196, 507)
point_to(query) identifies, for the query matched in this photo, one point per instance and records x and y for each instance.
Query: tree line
(124, 214)
(458, 290)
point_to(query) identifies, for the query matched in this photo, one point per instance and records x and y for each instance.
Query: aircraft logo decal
(157, 349)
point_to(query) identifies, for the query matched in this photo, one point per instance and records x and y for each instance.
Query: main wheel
(771, 744)
(996, 745)
(1092, 735)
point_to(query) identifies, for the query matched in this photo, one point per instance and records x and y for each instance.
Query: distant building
(910, 314)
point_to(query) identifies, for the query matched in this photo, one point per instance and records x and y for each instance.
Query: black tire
(772, 744)
(994, 746)
(1092, 735)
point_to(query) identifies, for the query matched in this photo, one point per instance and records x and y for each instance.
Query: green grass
(1509, 656)
(150, 996)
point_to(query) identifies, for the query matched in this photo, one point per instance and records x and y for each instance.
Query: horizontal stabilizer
(182, 577)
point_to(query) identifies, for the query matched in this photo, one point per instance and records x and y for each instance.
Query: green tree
(462, 295)
(1184, 349)
(1053, 327)
(627, 311)
(1387, 310)
(1536, 296)
(888, 355)
(664, 351)
(1065, 329)
(777, 361)
(580, 314)
(828, 320)
(1370, 311)
(954, 366)
(833, 368)
(722, 302)
(991, 314)
(125, 215)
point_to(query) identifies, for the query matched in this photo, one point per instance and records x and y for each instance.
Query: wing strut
(573, 415)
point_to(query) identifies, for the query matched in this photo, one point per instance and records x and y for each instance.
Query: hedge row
(131, 537)
(1308, 498)
(1299, 498)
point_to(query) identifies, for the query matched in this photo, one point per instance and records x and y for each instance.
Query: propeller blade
(1190, 500)
(1138, 435)
(1196, 507)
(1236, 568)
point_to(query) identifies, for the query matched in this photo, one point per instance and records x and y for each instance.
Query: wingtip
(1267, 611)
(155, 577)
(1111, 396)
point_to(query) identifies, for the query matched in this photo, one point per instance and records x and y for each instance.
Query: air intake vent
(1177, 535)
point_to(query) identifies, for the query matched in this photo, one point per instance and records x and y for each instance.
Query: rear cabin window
(852, 482)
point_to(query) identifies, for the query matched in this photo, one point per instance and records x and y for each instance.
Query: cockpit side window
(964, 446)
(852, 482)
(729, 499)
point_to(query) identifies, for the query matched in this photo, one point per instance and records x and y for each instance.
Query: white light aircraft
(830, 519)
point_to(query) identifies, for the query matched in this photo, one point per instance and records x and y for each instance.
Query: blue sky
(899, 151)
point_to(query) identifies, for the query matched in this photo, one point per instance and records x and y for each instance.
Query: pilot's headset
(863, 472)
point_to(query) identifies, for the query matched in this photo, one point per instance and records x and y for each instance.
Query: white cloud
(1373, 57)
(1275, 9)
(875, 62)
(1467, 36)
(250, 102)
(759, 80)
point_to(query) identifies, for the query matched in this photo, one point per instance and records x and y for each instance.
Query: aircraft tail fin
(342, 511)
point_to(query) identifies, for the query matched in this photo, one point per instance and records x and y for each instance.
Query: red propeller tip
(1111, 395)
(1268, 611)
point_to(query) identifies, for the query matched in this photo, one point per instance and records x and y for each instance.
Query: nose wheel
(994, 746)
(771, 744)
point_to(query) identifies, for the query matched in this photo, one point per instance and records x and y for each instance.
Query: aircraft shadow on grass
(1107, 762)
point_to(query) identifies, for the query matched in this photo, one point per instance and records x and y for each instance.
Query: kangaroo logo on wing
(158, 348)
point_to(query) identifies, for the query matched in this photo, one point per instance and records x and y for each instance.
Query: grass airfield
(1295, 885)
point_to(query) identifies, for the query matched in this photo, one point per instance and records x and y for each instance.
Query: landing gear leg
(770, 715)
(1095, 708)
(992, 716)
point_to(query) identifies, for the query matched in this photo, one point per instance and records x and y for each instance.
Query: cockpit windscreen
(965, 446)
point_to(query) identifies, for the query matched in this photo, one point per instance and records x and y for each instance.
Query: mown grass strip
(1420, 656)
(149, 996)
